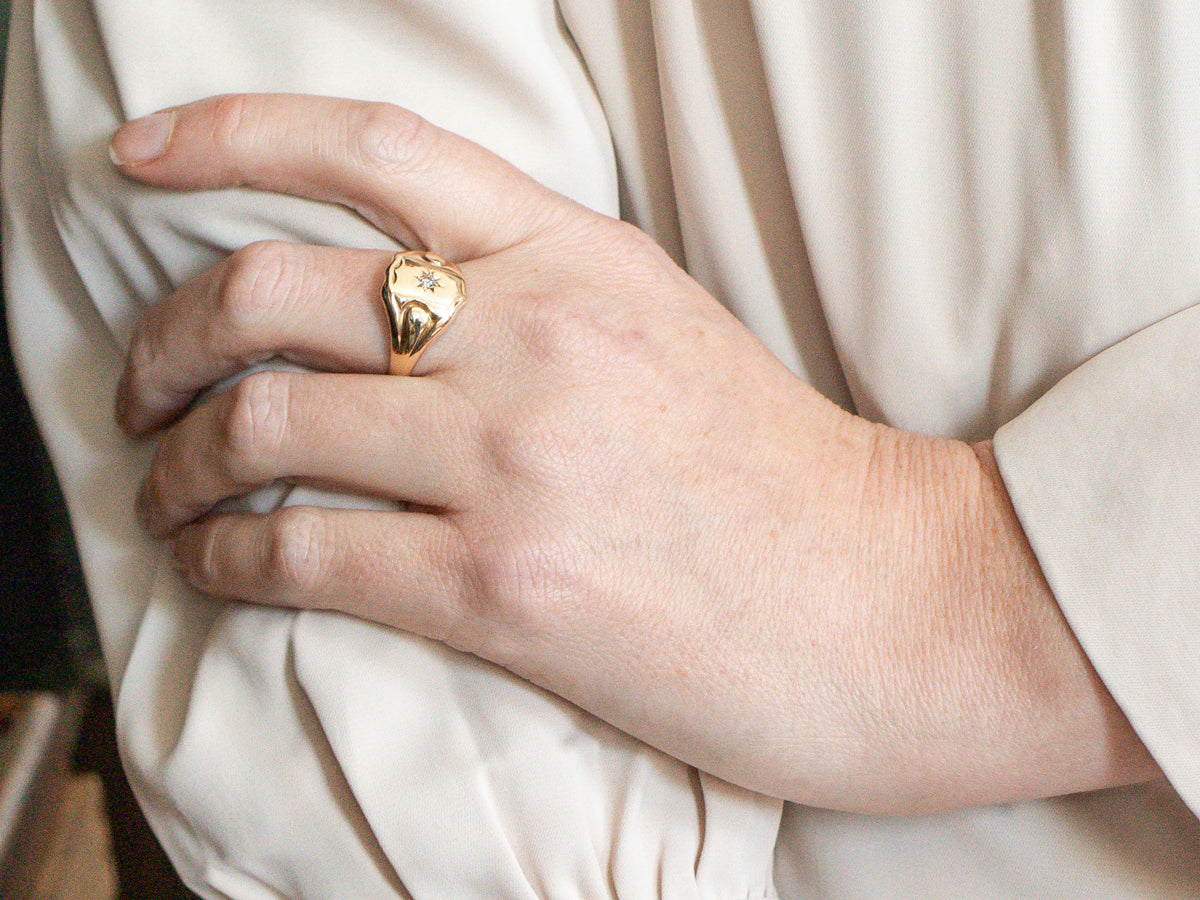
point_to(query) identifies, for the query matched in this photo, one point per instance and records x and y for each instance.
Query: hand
(614, 490)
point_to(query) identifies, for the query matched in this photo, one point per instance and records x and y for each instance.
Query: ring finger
(317, 306)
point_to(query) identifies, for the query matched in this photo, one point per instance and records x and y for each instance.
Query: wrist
(1003, 703)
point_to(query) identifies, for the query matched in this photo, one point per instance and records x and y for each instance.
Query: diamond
(428, 280)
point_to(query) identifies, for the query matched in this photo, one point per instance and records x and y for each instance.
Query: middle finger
(317, 306)
(412, 440)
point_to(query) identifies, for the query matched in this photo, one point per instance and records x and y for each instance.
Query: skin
(614, 490)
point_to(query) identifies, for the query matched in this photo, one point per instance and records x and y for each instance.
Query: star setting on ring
(428, 281)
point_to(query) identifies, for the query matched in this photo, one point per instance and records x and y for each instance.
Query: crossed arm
(612, 488)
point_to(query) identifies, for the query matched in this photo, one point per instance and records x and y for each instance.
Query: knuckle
(206, 562)
(497, 585)
(634, 240)
(589, 332)
(144, 360)
(296, 551)
(540, 445)
(513, 450)
(553, 328)
(252, 289)
(626, 253)
(143, 347)
(519, 581)
(156, 487)
(255, 424)
(388, 137)
(456, 618)
(236, 120)
(647, 256)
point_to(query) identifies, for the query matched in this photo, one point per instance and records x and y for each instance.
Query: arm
(665, 527)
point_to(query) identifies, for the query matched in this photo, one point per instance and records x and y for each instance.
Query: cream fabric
(936, 213)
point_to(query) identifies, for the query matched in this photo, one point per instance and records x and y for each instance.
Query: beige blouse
(962, 219)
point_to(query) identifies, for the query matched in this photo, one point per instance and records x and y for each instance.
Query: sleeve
(1103, 473)
(1003, 204)
(280, 754)
(1104, 468)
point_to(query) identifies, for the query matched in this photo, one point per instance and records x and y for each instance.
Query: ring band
(420, 297)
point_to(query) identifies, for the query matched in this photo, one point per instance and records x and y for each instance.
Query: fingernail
(141, 140)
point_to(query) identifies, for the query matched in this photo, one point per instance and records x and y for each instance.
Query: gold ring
(420, 296)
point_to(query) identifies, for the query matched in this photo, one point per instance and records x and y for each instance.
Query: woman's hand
(613, 489)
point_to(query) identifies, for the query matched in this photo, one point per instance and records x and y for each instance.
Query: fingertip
(139, 414)
(142, 141)
(185, 549)
(132, 422)
(123, 413)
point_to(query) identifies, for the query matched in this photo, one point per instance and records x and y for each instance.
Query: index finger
(427, 187)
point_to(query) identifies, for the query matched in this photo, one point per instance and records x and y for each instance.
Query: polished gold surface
(421, 295)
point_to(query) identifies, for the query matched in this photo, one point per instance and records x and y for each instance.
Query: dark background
(47, 640)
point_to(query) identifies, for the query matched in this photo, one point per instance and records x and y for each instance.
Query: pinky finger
(408, 570)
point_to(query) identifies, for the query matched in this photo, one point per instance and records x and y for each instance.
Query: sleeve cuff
(1104, 472)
